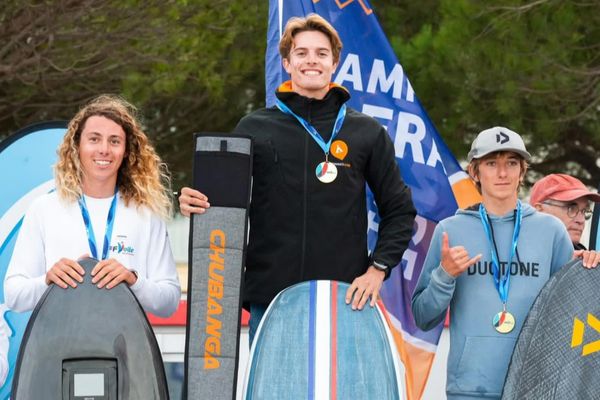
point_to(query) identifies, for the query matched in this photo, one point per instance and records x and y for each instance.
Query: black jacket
(302, 229)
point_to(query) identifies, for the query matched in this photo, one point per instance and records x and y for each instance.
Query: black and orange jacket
(302, 229)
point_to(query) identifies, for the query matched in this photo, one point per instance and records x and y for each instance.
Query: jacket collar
(303, 106)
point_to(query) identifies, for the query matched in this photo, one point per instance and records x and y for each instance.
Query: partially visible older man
(568, 199)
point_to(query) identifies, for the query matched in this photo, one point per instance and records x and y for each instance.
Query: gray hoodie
(479, 355)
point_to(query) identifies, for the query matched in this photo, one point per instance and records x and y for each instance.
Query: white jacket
(53, 229)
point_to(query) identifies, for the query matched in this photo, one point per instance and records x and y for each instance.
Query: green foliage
(532, 66)
(198, 65)
(189, 66)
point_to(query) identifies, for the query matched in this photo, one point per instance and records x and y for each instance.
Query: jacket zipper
(305, 195)
(273, 150)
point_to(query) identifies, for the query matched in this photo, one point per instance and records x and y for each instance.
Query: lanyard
(501, 280)
(110, 220)
(339, 120)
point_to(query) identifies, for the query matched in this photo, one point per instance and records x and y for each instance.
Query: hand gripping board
(311, 345)
(89, 341)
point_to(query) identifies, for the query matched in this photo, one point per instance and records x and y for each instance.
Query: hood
(473, 211)
(287, 87)
(314, 109)
(285, 93)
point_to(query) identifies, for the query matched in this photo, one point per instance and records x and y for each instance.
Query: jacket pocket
(483, 364)
(275, 160)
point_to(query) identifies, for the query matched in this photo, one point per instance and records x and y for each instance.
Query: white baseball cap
(495, 139)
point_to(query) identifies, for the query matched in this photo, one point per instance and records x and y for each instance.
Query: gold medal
(504, 322)
(326, 172)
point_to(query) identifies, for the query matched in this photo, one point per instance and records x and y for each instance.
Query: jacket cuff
(139, 283)
(440, 275)
(40, 282)
(387, 271)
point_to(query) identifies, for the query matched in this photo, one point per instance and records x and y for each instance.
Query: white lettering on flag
(351, 63)
(410, 130)
(378, 112)
(434, 157)
(378, 76)
(378, 81)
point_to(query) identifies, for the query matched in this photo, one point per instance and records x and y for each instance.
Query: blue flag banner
(26, 160)
(379, 87)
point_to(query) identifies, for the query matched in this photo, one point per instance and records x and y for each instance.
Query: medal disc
(326, 172)
(504, 322)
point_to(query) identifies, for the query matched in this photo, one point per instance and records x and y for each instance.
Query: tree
(56, 54)
(532, 66)
(198, 65)
(188, 65)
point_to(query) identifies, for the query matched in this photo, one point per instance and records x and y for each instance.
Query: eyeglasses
(572, 210)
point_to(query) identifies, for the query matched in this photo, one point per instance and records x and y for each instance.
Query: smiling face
(310, 64)
(101, 152)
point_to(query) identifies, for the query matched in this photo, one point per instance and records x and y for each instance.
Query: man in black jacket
(313, 157)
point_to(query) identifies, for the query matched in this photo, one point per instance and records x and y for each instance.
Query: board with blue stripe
(312, 345)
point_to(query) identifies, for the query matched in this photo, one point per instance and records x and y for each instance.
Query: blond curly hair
(142, 176)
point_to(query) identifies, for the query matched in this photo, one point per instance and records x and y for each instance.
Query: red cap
(560, 187)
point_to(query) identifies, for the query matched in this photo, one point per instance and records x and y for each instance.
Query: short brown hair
(473, 167)
(312, 22)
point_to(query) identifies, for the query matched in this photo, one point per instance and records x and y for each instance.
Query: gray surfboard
(89, 344)
(557, 355)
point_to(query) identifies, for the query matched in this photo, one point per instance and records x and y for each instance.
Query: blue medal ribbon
(501, 280)
(339, 120)
(110, 220)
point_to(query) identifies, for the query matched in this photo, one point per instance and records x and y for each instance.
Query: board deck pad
(312, 345)
(557, 355)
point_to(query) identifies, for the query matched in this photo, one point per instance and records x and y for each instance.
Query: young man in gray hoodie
(488, 263)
